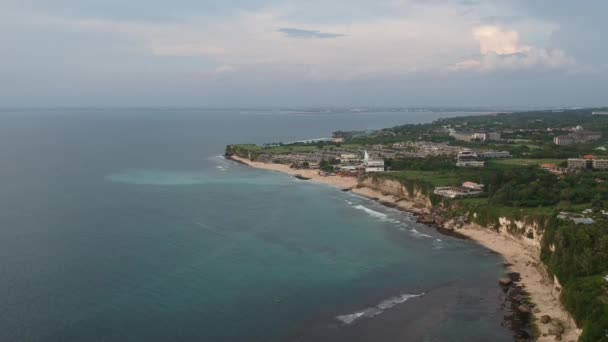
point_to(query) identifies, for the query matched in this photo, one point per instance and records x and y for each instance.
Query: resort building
(346, 158)
(580, 163)
(553, 168)
(548, 167)
(373, 165)
(467, 189)
(588, 162)
(468, 158)
(313, 164)
(600, 113)
(472, 186)
(600, 164)
(577, 137)
(474, 136)
(448, 191)
(574, 217)
(563, 140)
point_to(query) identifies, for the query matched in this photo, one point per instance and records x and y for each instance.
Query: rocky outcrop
(524, 309)
(505, 281)
(556, 330)
(395, 188)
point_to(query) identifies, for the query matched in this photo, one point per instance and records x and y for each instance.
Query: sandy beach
(521, 258)
(336, 181)
(524, 260)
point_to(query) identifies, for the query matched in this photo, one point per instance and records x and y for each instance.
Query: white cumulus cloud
(501, 49)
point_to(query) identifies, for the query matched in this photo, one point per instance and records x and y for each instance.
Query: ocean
(128, 225)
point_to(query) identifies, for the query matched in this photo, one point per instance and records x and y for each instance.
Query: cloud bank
(281, 44)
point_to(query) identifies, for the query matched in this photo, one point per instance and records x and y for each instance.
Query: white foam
(416, 233)
(352, 194)
(437, 244)
(348, 319)
(378, 309)
(371, 212)
(389, 303)
(606, 278)
(378, 215)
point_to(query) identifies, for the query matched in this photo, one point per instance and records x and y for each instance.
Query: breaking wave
(416, 233)
(378, 309)
(371, 212)
(375, 214)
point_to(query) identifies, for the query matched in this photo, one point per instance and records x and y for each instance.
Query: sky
(236, 53)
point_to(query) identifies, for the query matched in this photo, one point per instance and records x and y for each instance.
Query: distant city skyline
(281, 53)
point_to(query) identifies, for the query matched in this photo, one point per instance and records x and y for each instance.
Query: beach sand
(522, 259)
(336, 181)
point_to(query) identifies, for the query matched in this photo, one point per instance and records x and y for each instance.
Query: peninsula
(531, 186)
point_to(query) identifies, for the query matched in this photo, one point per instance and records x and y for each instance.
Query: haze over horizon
(285, 53)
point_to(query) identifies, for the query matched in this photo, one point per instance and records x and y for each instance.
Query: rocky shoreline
(536, 313)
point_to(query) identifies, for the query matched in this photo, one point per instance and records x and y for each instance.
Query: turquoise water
(130, 226)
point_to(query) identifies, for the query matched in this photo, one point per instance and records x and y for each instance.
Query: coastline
(519, 258)
(524, 260)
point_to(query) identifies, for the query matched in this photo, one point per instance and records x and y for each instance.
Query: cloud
(501, 49)
(493, 39)
(531, 59)
(299, 33)
(416, 37)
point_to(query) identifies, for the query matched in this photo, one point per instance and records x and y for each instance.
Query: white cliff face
(528, 230)
(520, 230)
(395, 188)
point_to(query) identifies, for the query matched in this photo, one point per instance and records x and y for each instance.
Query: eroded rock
(505, 281)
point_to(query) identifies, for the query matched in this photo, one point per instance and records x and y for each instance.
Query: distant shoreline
(520, 259)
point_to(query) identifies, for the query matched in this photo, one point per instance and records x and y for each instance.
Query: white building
(470, 189)
(474, 136)
(373, 165)
(580, 163)
(600, 164)
(349, 158)
(471, 163)
(472, 186)
(468, 158)
(579, 136)
(447, 191)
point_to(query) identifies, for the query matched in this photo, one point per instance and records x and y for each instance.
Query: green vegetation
(425, 164)
(580, 260)
(246, 150)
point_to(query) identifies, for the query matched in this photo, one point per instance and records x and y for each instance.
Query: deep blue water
(127, 225)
